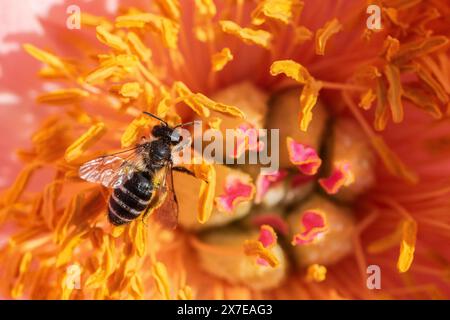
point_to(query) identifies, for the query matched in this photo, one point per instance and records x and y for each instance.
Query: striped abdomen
(129, 200)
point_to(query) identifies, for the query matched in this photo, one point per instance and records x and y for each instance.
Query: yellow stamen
(134, 131)
(45, 57)
(188, 96)
(90, 20)
(15, 191)
(17, 290)
(166, 28)
(207, 173)
(220, 59)
(185, 293)
(280, 10)
(136, 288)
(291, 69)
(258, 37)
(159, 273)
(323, 35)
(77, 148)
(395, 92)
(71, 242)
(111, 40)
(391, 47)
(308, 99)
(63, 96)
(214, 123)
(70, 211)
(407, 246)
(170, 8)
(138, 234)
(138, 47)
(131, 90)
(316, 272)
(367, 99)
(100, 74)
(255, 248)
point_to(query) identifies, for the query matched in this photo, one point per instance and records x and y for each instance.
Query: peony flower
(363, 145)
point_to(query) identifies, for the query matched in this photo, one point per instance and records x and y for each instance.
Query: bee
(141, 177)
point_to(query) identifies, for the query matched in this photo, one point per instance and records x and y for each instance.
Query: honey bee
(141, 177)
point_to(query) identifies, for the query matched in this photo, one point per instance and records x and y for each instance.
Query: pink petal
(305, 157)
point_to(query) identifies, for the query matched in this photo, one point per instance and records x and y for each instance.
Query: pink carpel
(264, 181)
(247, 139)
(341, 176)
(304, 157)
(274, 220)
(236, 190)
(313, 223)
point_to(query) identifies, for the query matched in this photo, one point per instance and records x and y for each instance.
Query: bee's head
(167, 133)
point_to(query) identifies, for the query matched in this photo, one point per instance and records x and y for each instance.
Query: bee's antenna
(187, 124)
(153, 116)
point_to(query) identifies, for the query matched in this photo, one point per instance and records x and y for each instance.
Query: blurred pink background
(21, 22)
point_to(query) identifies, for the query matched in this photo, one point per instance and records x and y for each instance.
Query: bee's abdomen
(129, 200)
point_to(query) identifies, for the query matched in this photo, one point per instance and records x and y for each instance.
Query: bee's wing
(113, 170)
(166, 210)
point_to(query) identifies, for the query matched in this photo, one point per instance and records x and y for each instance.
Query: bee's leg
(184, 170)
